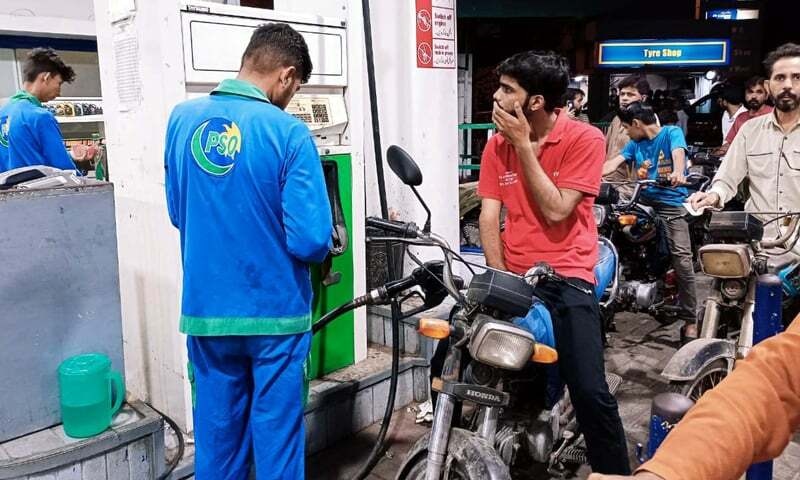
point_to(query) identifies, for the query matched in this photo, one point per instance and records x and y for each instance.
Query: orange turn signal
(544, 354)
(434, 328)
(627, 220)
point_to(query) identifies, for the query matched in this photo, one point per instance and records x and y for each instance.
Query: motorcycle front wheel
(708, 378)
(469, 457)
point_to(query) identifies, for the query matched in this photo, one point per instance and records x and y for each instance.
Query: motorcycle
(737, 257)
(507, 420)
(646, 281)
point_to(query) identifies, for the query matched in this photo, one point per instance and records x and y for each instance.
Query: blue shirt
(656, 154)
(245, 187)
(29, 135)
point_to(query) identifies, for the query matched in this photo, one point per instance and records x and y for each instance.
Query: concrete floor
(638, 352)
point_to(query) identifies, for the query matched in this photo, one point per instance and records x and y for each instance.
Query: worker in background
(633, 88)
(245, 187)
(748, 418)
(755, 99)
(731, 100)
(29, 134)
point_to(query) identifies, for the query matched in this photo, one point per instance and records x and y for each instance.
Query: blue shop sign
(636, 53)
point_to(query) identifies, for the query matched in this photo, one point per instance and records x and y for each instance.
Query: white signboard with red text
(436, 34)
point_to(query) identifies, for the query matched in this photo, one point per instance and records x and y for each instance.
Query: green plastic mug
(87, 385)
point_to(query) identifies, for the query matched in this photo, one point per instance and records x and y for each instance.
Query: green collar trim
(25, 95)
(234, 86)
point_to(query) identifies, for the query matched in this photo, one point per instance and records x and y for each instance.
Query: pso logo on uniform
(215, 144)
(4, 121)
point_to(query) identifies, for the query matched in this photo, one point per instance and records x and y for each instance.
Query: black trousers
(579, 341)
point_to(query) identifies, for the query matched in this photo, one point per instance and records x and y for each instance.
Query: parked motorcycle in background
(647, 282)
(737, 257)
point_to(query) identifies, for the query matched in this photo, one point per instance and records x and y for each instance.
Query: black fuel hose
(338, 311)
(377, 449)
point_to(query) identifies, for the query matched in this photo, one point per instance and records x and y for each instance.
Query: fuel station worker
(29, 134)
(750, 417)
(245, 187)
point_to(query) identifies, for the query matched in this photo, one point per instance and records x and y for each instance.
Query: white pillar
(141, 70)
(418, 110)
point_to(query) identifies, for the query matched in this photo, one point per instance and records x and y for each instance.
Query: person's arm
(491, 205)
(553, 203)
(611, 165)
(677, 142)
(753, 414)
(307, 219)
(489, 223)
(170, 175)
(53, 143)
(731, 171)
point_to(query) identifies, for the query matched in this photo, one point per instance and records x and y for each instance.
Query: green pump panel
(333, 348)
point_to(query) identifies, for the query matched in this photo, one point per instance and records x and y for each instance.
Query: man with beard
(755, 98)
(544, 167)
(767, 149)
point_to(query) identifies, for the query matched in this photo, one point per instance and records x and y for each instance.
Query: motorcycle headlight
(599, 212)
(726, 261)
(501, 345)
(734, 289)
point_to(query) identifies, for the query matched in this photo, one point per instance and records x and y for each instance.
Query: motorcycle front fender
(692, 357)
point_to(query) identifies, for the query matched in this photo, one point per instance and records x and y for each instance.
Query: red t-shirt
(572, 156)
(744, 117)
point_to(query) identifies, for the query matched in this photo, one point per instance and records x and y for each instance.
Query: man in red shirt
(544, 167)
(755, 98)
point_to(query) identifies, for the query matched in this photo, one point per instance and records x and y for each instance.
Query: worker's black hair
(639, 82)
(733, 94)
(277, 45)
(538, 73)
(637, 111)
(756, 81)
(45, 60)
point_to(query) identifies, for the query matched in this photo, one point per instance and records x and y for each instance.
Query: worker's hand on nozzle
(699, 200)
(638, 476)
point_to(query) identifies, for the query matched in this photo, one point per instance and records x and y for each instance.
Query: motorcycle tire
(709, 377)
(468, 457)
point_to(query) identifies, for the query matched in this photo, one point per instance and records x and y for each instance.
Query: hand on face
(515, 129)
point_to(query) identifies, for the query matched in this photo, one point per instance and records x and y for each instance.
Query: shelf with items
(81, 119)
(76, 109)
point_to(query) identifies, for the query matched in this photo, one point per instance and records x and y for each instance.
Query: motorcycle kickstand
(554, 466)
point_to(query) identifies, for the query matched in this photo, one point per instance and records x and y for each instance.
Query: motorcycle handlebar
(662, 182)
(790, 230)
(403, 229)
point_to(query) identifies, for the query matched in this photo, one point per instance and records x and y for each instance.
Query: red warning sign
(436, 33)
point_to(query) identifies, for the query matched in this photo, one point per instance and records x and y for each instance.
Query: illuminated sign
(732, 14)
(636, 53)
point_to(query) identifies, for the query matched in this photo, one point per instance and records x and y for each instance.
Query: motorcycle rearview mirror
(409, 173)
(404, 166)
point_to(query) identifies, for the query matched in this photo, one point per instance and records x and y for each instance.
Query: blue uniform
(29, 135)
(245, 187)
(657, 155)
